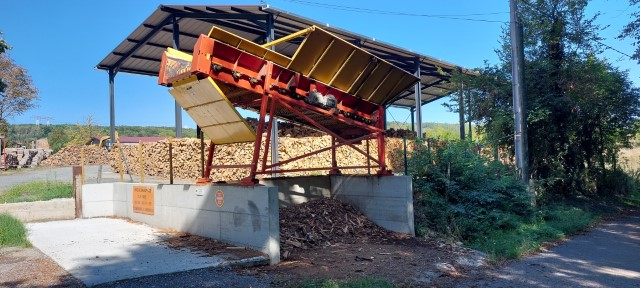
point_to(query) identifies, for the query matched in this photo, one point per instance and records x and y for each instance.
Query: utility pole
(461, 110)
(519, 105)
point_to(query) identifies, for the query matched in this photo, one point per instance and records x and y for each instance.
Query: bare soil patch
(208, 247)
(328, 239)
(28, 267)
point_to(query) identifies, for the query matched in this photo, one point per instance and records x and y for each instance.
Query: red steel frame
(273, 85)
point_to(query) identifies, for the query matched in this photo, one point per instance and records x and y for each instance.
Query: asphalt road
(61, 174)
(606, 256)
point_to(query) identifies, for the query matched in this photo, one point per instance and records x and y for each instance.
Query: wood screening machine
(328, 84)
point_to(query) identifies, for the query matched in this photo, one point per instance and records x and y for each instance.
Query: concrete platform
(101, 250)
(56, 209)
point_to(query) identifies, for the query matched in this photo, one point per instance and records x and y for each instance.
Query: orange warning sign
(219, 198)
(143, 199)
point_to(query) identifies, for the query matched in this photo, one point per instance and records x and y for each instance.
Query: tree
(580, 109)
(632, 30)
(19, 94)
(3, 47)
(83, 132)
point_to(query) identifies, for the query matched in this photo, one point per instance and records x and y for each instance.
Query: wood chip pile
(71, 155)
(186, 157)
(324, 222)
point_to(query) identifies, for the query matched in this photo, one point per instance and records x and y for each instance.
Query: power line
(614, 49)
(394, 13)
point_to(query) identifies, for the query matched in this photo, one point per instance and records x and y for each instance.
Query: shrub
(461, 194)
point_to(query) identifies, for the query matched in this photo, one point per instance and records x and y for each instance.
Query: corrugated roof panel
(285, 23)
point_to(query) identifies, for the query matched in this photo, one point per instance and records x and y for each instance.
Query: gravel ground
(28, 267)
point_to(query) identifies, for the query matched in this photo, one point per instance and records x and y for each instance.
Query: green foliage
(12, 232)
(632, 30)
(58, 138)
(445, 131)
(83, 131)
(363, 282)
(553, 223)
(580, 109)
(36, 191)
(461, 194)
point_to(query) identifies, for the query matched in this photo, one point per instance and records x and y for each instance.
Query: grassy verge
(552, 224)
(12, 232)
(364, 282)
(36, 191)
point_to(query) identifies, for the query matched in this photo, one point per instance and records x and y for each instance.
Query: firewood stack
(21, 157)
(72, 155)
(186, 157)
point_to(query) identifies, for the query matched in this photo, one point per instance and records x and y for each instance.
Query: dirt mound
(72, 155)
(324, 222)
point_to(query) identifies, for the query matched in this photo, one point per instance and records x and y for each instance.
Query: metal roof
(141, 52)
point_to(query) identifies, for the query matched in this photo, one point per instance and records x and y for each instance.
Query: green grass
(553, 224)
(12, 232)
(36, 191)
(364, 282)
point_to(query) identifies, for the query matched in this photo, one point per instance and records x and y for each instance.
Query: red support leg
(334, 163)
(267, 144)
(251, 180)
(381, 147)
(207, 172)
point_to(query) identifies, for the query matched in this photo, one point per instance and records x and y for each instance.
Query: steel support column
(112, 107)
(418, 96)
(270, 36)
(178, 109)
(413, 122)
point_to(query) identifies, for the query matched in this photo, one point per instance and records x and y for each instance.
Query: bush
(461, 194)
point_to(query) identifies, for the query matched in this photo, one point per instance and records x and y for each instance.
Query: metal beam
(112, 107)
(418, 92)
(413, 123)
(140, 43)
(178, 109)
(138, 57)
(269, 37)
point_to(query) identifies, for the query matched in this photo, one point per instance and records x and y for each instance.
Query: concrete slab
(101, 250)
(56, 209)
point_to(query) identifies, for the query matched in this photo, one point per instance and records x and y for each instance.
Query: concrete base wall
(387, 201)
(57, 209)
(249, 216)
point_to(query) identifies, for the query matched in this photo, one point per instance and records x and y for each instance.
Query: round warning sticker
(219, 198)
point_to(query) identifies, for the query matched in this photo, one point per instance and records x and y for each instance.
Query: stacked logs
(186, 157)
(72, 155)
(21, 157)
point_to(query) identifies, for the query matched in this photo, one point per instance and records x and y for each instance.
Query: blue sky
(60, 42)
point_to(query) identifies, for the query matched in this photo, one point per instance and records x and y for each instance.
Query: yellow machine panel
(338, 63)
(248, 46)
(206, 103)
